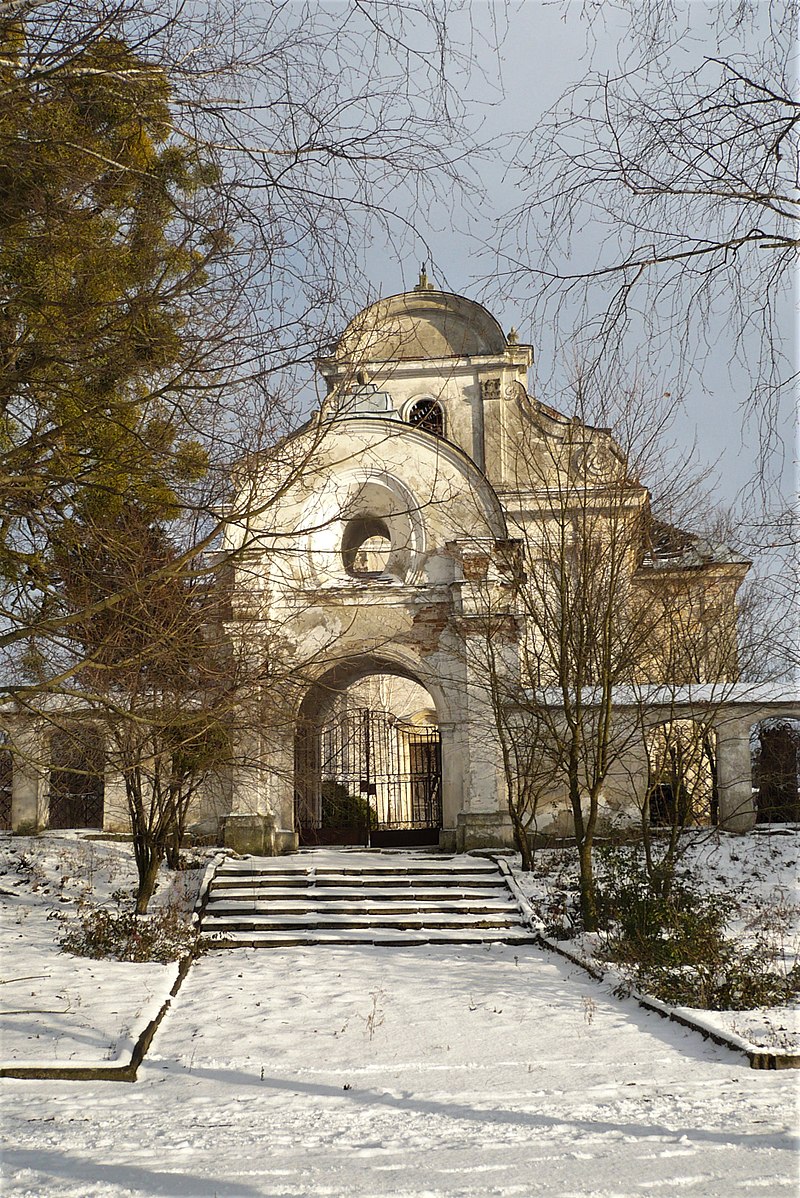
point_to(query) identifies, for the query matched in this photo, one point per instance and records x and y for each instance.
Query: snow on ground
(760, 868)
(761, 871)
(436, 1072)
(441, 1072)
(56, 1008)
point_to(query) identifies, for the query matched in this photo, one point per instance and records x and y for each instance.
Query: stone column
(29, 780)
(245, 829)
(737, 810)
(484, 821)
(452, 782)
(116, 816)
(278, 788)
(625, 788)
(493, 391)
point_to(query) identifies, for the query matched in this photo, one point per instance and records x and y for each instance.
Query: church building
(398, 542)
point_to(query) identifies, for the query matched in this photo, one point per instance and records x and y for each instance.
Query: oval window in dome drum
(427, 414)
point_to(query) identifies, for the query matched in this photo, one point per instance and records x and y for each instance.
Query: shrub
(165, 935)
(676, 947)
(340, 809)
(560, 912)
(559, 907)
(733, 980)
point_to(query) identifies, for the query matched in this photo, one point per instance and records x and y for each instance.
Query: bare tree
(601, 603)
(155, 675)
(668, 196)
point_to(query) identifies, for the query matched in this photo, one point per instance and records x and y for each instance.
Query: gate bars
(378, 782)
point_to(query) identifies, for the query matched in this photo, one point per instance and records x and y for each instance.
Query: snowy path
(424, 1072)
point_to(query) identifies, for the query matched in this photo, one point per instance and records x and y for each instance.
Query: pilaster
(29, 781)
(737, 809)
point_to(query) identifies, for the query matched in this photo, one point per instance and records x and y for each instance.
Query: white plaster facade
(389, 536)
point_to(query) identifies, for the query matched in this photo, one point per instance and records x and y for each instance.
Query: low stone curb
(128, 1072)
(205, 886)
(105, 1073)
(759, 1058)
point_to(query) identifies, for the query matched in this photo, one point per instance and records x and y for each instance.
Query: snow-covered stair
(348, 897)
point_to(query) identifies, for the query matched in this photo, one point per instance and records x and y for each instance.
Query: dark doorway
(662, 806)
(6, 783)
(76, 778)
(776, 768)
(368, 778)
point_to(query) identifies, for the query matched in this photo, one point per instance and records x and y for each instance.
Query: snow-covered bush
(558, 898)
(165, 935)
(677, 947)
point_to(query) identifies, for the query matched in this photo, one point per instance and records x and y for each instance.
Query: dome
(420, 324)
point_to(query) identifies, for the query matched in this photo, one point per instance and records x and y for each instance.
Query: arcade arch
(76, 777)
(775, 749)
(682, 786)
(369, 762)
(6, 781)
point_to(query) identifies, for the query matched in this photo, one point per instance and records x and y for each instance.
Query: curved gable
(386, 489)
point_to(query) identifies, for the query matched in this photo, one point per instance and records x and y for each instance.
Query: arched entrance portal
(368, 763)
(775, 747)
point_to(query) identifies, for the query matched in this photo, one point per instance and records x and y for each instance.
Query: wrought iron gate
(75, 791)
(370, 779)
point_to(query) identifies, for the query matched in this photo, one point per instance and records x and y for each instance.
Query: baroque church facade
(410, 507)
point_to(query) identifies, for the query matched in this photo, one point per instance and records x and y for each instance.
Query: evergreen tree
(155, 671)
(105, 249)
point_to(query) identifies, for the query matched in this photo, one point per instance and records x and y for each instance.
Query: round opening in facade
(366, 547)
(427, 414)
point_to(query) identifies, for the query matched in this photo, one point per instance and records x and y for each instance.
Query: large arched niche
(775, 765)
(320, 703)
(415, 490)
(363, 514)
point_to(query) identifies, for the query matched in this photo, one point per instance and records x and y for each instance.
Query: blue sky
(524, 56)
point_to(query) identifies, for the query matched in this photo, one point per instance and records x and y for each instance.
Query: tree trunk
(523, 844)
(587, 886)
(148, 876)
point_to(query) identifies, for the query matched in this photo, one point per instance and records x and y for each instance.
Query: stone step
(315, 894)
(438, 881)
(364, 864)
(356, 871)
(350, 877)
(264, 902)
(383, 936)
(309, 920)
(339, 894)
(242, 907)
